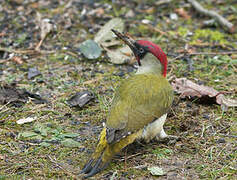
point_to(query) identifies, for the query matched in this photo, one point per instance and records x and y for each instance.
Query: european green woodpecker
(139, 107)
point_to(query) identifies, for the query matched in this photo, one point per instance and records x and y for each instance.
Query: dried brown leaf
(182, 13)
(17, 60)
(45, 28)
(188, 88)
(119, 56)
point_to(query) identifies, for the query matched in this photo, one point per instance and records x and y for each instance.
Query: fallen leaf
(27, 134)
(150, 10)
(39, 128)
(98, 12)
(17, 59)
(188, 88)
(119, 56)
(130, 14)
(44, 144)
(111, 43)
(105, 32)
(90, 49)
(80, 98)
(70, 135)
(156, 171)
(25, 120)
(2, 157)
(182, 13)
(45, 28)
(33, 72)
(70, 143)
(17, 97)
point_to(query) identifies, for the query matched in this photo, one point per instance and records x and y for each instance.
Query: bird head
(141, 47)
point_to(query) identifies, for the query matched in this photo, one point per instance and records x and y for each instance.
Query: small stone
(221, 140)
(146, 21)
(33, 72)
(206, 116)
(130, 14)
(80, 98)
(120, 74)
(173, 16)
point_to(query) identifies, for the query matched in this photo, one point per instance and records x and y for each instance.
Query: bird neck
(150, 65)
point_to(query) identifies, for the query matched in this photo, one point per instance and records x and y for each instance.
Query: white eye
(141, 50)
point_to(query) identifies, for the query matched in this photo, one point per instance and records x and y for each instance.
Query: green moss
(21, 38)
(150, 17)
(208, 35)
(162, 153)
(183, 31)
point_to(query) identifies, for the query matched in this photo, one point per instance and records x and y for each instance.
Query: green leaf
(70, 143)
(90, 49)
(156, 171)
(44, 144)
(28, 134)
(70, 135)
(105, 32)
(41, 129)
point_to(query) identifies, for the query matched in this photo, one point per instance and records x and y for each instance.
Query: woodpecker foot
(93, 167)
(169, 139)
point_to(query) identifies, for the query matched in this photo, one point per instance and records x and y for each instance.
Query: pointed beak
(130, 42)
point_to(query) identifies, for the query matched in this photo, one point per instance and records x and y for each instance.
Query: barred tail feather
(104, 153)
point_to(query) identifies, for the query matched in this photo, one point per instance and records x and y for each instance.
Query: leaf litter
(10, 94)
(187, 88)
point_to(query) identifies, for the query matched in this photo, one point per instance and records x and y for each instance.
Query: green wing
(138, 101)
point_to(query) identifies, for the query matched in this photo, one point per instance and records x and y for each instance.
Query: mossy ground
(207, 149)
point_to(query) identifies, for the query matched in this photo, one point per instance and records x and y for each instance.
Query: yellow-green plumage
(138, 102)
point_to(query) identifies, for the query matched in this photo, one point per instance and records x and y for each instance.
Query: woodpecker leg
(170, 139)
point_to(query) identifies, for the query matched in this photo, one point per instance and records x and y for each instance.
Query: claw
(91, 170)
(169, 139)
(87, 167)
(94, 169)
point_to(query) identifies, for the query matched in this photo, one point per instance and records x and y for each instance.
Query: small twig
(154, 28)
(221, 20)
(2, 61)
(143, 166)
(130, 157)
(220, 152)
(213, 53)
(66, 171)
(18, 51)
(204, 53)
(203, 129)
(227, 135)
(177, 57)
(27, 51)
(29, 143)
(37, 48)
(161, 2)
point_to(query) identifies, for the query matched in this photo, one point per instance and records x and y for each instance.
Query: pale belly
(154, 129)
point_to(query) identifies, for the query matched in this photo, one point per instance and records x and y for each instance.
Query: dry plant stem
(129, 157)
(37, 48)
(155, 29)
(27, 51)
(18, 51)
(221, 20)
(204, 53)
(58, 165)
(213, 53)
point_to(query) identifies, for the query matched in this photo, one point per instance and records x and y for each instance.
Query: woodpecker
(139, 107)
